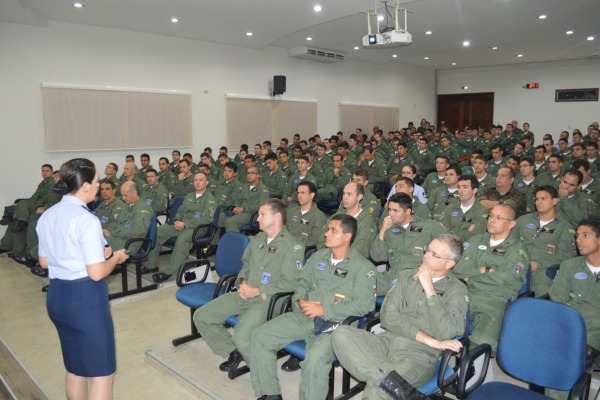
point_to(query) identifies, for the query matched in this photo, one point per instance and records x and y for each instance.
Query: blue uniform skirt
(80, 311)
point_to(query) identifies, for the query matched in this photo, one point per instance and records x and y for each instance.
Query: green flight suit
(25, 209)
(395, 165)
(307, 227)
(141, 173)
(593, 191)
(32, 239)
(418, 209)
(514, 198)
(225, 193)
(132, 222)
(405, 312)
(184, 186)
(193, 212)
(370, 204)
(425, 161)
(292, 186)
(465, 225)
(168, 180)
(344, 290)
(546, 178)
(376, 170)
(271, 267)
(325, 163)
(156, 197)
(289, 170)
(528, 191)
(276, 182)
(108, 212)
(403, 248)
(577, 208)
(439, 199)
(364, 235)
(575, 285)
(450, 152)
(333, 185)
(249, 199)
(490, 291)
(549, 246)
(432, 181)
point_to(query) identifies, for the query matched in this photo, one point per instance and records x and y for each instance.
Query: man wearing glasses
(494, 265)
(526, 183)
(577, 283)
(547, 237)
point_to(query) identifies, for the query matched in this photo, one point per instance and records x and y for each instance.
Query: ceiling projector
(387, 39)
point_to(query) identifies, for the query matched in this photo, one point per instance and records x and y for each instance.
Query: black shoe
(2, 251)
(292, 364)
(270, 397)
(20, 260)
(160, 277)
(6, 220)
(39, 271)
(235, 358)
(31, 262)
(145, 270)
(45, 288)
(398, 389)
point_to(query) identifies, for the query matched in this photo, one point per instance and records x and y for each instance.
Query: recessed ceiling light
(465, 87)
(466, 43)
(426, 58)
(428, 32)
(495, 48)
(543, 16)
(590, 38)
(519, 55)
(309, 38)
(317, 8)
(569, 32)
(453, 63)
(249, 33)
(356, 47)
(77, 5)
(394, 55)
(380, 17)
(174, 20)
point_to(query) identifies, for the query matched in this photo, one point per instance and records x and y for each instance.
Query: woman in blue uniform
(73, 249)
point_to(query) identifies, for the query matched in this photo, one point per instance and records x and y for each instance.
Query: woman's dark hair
(73, 174)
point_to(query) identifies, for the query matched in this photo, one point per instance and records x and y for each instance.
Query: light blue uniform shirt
(70, 237)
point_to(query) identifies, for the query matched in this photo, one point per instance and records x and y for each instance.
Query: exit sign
(532, 86)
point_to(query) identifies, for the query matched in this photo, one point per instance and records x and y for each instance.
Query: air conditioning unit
(316, 54)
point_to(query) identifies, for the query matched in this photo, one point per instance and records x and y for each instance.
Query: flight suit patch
(581, 276)
(339, 298)
(128, 224)
(298, 265)
(454, 214)
(321, 266)
(266, 278)
(197, 215)
(499, 252)
(149, 202)
(482, 247)
(261, 246)
(104, 219)
(550, 249)
(396, 230)
(416, 229)
(340, 272)
(272, 249)
(418, 251)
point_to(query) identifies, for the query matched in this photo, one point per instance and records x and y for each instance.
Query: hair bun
(61, 188)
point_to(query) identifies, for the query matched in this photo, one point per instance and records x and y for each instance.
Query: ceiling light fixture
(395, 55)
(77, 5)
(590, 38)
(495, 48)
(465, 87)
(317, 8)
(569, 32)
(466, 43)
(428, 32)
(543, 16)
(249, 33)
(174, 20)
(453, 63)
(356, 47)
(426, 58)
(519, 55)
(309, 39)
(380, 17)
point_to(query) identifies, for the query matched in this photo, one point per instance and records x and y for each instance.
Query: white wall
(536, 106)
(80, 55)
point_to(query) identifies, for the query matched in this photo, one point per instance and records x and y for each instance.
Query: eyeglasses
(498, 217)
(434, 255)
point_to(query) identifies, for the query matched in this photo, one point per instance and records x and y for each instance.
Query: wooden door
(460, 110)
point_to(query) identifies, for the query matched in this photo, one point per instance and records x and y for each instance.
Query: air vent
(316, 54)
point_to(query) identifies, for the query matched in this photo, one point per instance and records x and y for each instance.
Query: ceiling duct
(317, 54)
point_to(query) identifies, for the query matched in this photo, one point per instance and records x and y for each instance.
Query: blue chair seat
(196, 296)
(431, 386)
(298, 349)
(379, 301)
(503, 390)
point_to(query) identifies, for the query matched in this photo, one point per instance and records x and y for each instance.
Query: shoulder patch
(297, 247)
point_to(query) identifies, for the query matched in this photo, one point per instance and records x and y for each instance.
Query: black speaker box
(278, 84)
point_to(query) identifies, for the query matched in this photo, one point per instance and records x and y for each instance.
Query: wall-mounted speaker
(278, 84)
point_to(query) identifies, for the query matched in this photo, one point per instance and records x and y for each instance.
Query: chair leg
(192, 336)
(124, 277)
(331, 383)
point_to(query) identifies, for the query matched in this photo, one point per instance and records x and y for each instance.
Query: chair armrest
(227, 283)
(145, 251)
(188, 272)
(466, 369)
(273, 302)
(581, 389)
(199, 227)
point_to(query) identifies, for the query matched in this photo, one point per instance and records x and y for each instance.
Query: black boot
(270, 397)
(292, 364)
(235, 358)
(398, 389)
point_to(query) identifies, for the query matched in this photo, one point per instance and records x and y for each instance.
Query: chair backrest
(229, 253)
(527, 284)
(152, 231)
(543, 342)
(177, 202)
